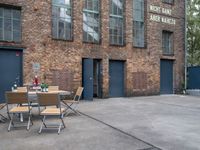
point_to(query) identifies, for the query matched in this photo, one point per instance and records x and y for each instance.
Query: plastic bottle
(15, 86)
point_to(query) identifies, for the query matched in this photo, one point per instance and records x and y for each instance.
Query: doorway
(11, 70)
(116, 80)
(92, 78)
(166, 77)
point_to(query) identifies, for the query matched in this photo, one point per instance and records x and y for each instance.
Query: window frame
(11, 8)
(170, 52)
(144, 26)
(170, 3)
(70, 7)
(122, 22)
(93, 12)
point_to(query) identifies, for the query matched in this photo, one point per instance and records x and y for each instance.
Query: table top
(61, 92)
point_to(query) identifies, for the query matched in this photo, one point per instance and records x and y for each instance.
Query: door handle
(90, 78)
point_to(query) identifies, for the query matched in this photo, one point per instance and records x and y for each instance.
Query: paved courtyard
(169, 122)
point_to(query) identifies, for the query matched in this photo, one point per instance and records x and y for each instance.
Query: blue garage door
(11, 70)
(116, 81)
(166, 77)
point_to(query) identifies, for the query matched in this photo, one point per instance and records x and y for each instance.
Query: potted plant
(46, 87)
(42, 87)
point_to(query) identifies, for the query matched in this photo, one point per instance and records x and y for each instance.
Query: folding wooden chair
(72, 104)
(2, 117)
(50, 99)
(18, 98)
(53, 88)
(22, 89)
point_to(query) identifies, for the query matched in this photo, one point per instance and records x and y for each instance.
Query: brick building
(112, 47)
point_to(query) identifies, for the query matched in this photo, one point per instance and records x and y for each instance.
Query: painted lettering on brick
(159, 16)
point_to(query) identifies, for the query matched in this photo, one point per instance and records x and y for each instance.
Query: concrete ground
(170, 122)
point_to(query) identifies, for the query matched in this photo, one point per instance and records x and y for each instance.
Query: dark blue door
(194, 77)
(88, 79)
(166, 77)
(116, 80)
(11, 70)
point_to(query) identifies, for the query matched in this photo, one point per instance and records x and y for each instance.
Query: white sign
(155, 8)
(168, 20)
(160, 11)
(158, 18)
(36, 66)
(167, 11)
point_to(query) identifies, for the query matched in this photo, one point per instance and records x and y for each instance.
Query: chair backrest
(78, 94)
(22, 89)
(53, 88)
(48, 99)
(16, 97)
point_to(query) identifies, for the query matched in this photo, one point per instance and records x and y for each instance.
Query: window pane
(138, 23)
(17, 36)
(1, 34)
(169, 1)
(167, 42)
(117, 7)
(61, 19)
(1, 12)
(66, 2)
(54, 28)
(10, 24)
(68, 34)
(1, 23)
(16, 25)
(55, 11)
(17, 14)
(91, 18)
(116, 30)
(1, 28)
(116, 23)
(8, 35)
(92, 5)
(68, 30)
(7, 24)
(8, 29)
(7, 13)
(61, 33)
(63, 13)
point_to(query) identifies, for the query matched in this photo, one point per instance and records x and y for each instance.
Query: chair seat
(70, 101)
(52, 111)
(20, 109)
(2, 106)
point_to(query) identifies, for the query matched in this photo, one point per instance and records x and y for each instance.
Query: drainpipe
(185, 44)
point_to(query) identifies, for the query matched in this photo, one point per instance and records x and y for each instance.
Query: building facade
(113, 48)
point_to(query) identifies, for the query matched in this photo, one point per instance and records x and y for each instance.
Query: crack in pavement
(152, 147)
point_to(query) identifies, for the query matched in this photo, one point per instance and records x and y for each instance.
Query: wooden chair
(50, 99)
(72, 104)
(22, 89)
(53, 88)
(2, 117)
(18, 98)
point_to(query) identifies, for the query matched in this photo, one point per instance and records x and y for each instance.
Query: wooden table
(33, 94)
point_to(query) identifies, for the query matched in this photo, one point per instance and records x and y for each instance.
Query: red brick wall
(63, 55)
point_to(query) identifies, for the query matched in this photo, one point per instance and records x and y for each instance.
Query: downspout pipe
(186, 51)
